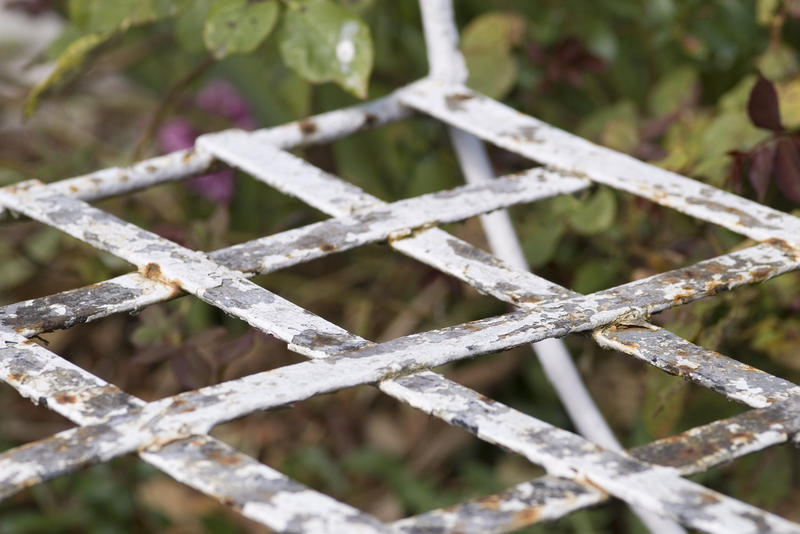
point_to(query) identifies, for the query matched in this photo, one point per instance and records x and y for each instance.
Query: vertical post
(446, 63)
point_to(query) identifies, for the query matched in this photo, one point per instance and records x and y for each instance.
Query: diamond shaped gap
(179, 212)
(61, 261)
(33, 420)
(357, 445)
(379, 293)
(555, 233)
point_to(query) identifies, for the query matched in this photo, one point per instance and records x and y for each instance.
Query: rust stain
(761, 274)
(224, 459)
(186, 157)
(715, 267)
(785, 247)
(230, 503)
(17, 377)
(65, 398)
(370, 120)
(152, 270)
(525, 517)
(307, 127)
(327, 247)
(454, 101)
(714, 287)
(487, 400)
(742, 438)
(460, 97)
(709, 499)
(492, 502)
(73, 189)
(31, 482)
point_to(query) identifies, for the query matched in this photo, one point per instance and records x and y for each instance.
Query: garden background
(709, 89)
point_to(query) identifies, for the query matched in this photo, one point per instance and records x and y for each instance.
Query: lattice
(172, 433)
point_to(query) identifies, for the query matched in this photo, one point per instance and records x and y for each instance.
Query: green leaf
(789, 102)
(595, 215)
(487, 42)
(436, 171)
(615, 126)
(238, 26)
(664, 401)
(57, 46)
(778, 62)
(595, 275)
(766, 11)
(673, 91)
(493, 30)
(104, 15)
(189, 26)
(323, 42)
(541, 245)
(68, 62)
(44, 245)
(492, 72)
(103, 19)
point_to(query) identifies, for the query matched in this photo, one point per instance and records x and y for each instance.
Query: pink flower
(217, 98)
(178, 134)
(217, 187)
(221, 98)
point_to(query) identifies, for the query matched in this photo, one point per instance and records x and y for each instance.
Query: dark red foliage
(762, 163)
(31, 7)
(737, 167)
(763, 105)
(787, 168)
(565, 61)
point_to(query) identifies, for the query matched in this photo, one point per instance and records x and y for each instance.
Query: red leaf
(735, 170)
(763, 105)
(761, 169)
(787, 169)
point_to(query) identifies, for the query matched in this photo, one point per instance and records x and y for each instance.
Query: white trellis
(172, 433)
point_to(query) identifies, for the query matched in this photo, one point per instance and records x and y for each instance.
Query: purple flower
(178, 134)
(217, 98)
(217, 187)
(221, 98)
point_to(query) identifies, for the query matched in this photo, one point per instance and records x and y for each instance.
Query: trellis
(172, 433)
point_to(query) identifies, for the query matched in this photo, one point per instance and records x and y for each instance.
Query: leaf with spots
(323, 42)
(238, 26)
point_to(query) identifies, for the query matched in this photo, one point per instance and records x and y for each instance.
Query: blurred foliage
(707, 89)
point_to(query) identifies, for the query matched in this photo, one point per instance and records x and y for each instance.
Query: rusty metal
(172, 433)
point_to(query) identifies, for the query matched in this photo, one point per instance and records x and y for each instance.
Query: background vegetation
(668, 81)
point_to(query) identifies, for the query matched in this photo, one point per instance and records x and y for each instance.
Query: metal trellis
(172, 433)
